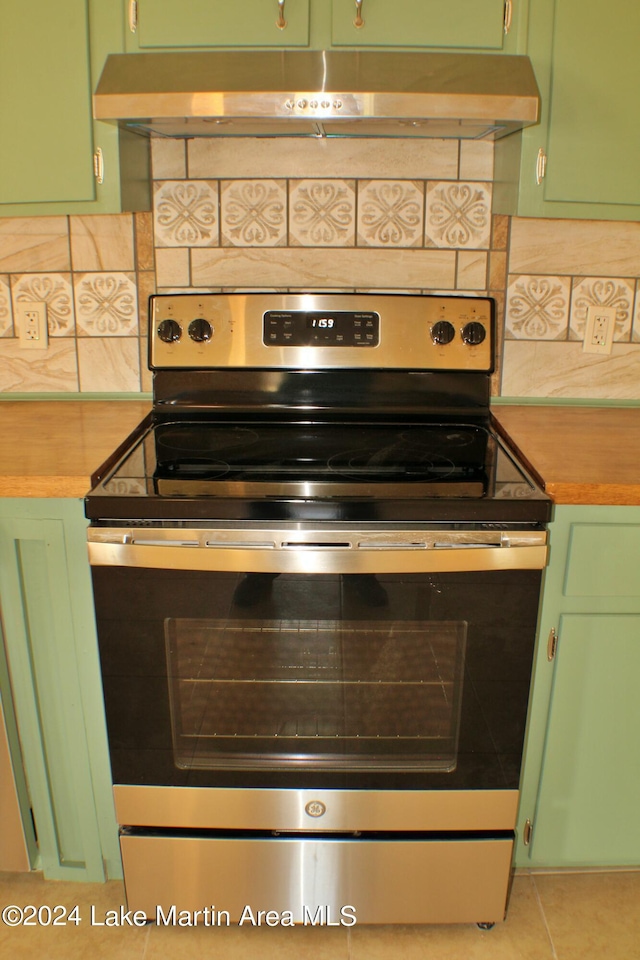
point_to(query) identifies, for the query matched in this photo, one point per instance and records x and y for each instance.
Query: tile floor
(589, 916)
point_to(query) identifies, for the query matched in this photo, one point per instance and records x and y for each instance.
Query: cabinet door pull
(98, 165)
(133, 15)
(541, 166)
(281, 22)
(508, 15)
(359, 21)
(552, 644)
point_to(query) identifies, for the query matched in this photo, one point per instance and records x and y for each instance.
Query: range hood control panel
(321, 331)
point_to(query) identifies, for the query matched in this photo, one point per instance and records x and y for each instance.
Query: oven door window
(419, 680)
(315, 693)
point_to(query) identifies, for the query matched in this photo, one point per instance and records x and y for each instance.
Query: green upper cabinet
(474, 24)
(46, 144)
(217, 23)
(586, 60)
(51, 55)
(444, 24)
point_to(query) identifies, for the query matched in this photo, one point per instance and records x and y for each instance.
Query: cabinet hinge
(527, 832)
(508, 15)
(133, 15)
(541, 166)
(98, 166)
(552, 644)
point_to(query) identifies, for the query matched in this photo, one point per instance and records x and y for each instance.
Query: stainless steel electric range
(316, 570)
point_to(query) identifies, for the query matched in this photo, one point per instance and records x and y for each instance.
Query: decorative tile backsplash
(406, 216)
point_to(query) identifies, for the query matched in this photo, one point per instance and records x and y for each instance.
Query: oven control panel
(321, 331)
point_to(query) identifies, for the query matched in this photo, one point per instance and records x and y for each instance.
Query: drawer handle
(315, 545)
(281, 22)
(359, 21)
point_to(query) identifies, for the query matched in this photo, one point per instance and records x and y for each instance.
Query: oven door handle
(317, 558)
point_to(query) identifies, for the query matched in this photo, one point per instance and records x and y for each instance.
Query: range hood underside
(318, 94)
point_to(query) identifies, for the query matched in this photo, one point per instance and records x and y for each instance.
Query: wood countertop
(50, 448)
(583, 455)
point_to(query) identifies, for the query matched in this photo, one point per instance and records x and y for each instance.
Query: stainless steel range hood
(318, 94)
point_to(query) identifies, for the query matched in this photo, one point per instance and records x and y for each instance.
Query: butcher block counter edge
(581, 455)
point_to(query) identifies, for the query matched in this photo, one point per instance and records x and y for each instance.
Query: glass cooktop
(332, 465)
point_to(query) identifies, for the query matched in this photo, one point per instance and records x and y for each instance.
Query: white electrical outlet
(598, 333)
(31, 323)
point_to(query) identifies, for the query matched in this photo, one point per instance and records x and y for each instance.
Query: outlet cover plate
(31, 324)
(598, 333)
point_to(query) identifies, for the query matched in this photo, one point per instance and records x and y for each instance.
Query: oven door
(253, 658)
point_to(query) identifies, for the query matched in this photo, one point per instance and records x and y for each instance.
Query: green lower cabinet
(51, 650)
(581, 783)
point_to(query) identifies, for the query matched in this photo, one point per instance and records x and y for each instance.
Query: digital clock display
(321, 323)
(312, 328)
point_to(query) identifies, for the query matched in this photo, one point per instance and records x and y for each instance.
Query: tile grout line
(146, 942)
(544, 918)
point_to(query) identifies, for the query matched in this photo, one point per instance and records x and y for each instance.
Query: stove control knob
(442, 332)
(200, 330)
(169, 331)
(473, 333)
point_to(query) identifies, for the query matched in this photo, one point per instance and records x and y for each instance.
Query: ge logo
(315, 808)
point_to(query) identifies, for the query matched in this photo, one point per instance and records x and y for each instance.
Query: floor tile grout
(544, 917)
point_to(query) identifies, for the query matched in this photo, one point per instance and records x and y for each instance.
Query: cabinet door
(49, 632)
(45, 102)
(590, 788)
(220, 23)
(51, 56)
(420, 23)
(586, 60)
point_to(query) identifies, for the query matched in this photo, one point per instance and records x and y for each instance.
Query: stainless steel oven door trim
(296, 810)
(317, 551)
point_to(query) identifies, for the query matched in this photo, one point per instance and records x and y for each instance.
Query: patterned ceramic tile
(143, 232)
(497, 270)
(538, 308)
(6, 319)
(172, 267)
(39, 244)
(500, 231)
(168, 159)
(54, 370)
(226, 158)
(472, 270)
(102, 242)
(601, 292)
(109, 364)
(106, 304)
(546, 369)
(299, 267)
(635, 335)
(390, 213)
(186, 213)
(579, 248)
(476, 159)
(458, 214)
(55, 290)
(253, 213)
(322, 213)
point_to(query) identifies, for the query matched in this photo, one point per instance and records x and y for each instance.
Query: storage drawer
(602, 560)
(381, 881)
